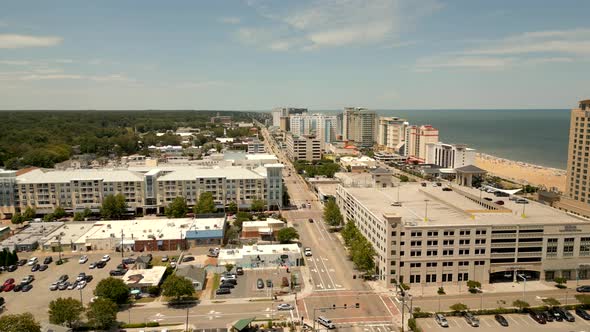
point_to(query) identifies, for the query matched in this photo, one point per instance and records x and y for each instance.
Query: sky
(324, 55)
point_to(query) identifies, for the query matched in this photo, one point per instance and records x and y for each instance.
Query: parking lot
(517, 322)
(37, 299)
(246, 287)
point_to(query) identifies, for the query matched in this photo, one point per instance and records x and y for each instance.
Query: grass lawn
(216, 278)
(146, 299)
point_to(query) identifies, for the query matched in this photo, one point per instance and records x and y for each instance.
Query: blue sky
(255, 54)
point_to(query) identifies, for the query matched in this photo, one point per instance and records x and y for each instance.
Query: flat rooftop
(138, 229)
(69, 232)
(151, 276)
(59, 176)
(257, 250)
(422, 206)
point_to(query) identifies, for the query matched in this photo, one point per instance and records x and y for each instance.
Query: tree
(112, 289)
(29, 213)
(231, 234)
(560, 281)
(177, 208)
(520, 304)
(473, 286)
(113, 207)
(17, 218)
(232, 207)
(176, 286)
(66, 311)
(102, 313)
(48, 217)
(205, 204)
(332, 215)
(14, 258)
(19, 323)
(59, 212)
(404, 178)
(258, 205)
(458, 307)
(229, 267)
(287, 234)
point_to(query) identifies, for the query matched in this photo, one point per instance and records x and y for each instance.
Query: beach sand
(522, 172)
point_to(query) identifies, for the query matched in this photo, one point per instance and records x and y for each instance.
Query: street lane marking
(386, 306)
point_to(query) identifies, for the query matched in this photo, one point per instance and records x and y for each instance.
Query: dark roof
(470, 169)
(380, 170)
(192, 272)
(243, 323)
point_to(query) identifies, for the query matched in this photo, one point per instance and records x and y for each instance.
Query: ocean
(538, 137)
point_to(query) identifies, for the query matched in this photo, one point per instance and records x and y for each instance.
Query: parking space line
(426, 323)
(512, 320)
(525, 321)
(485, 321)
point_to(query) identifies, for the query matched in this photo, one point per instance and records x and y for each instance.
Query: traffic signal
(357, 305)
(344, 305)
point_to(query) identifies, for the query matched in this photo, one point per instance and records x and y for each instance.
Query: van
(326, 322)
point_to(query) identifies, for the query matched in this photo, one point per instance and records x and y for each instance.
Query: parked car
(53, 286)
(32, 261)
(567, 315)
(128, 261)
(83, 259)
(21, 262)
(92, 265)
(8, 281)
(471, 319)
(499, 202)
(48, 260)
(310, 220)
(501, 320)
(8, 288)
(227, 285)
(26, 288)
(447, 189)
(259, 284)
(118, 272)
(35, 268)
(122, 267)
(555, 313)
(27, 280)
(88, 278)
(548, 316)
(521, 201)
(188, 259)
(63, 286)
(101, 264)
(222, 291)
(583, 289)
(165, 258)
(239, 270)
(285, 306)
(582, 313)
(43, 267)
(63, 278)
(17, 288)
(81, 276)
(72, 285)
(537, 317)
(488, 199)
(105, 258)
(11, 268)
(268, 283)
(81, 284)
(231, 281)
(441, 320)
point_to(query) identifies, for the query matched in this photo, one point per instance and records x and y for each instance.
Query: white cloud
(480, 62)
(14, 62)
(22, 41)
(230, 20)
(65, 76)
(201, 85)
(335, 23)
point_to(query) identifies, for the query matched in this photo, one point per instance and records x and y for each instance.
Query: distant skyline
(323, 55)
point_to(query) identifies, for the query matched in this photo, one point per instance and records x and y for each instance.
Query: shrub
(441, 291)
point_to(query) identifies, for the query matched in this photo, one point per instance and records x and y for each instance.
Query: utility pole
(122, 239)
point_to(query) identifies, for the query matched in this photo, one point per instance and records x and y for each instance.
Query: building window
(431, 264)
(415, 264)
(464, 232)
(432, 242)
(431, 252)
(447, 264)
(463, 276)
(416, 234)
(415, 253)
(463, 251)
(432, 233)
(551, 247)
(464, 242)
(448, 252)
(447, 277)
(568, 247)
(480, 241)
(449, 233)
(431, 278)
(415, 243)
(480, 232)
(414, 279)
(448, 242)
(464, 263)
(477, 263)
(480, 251)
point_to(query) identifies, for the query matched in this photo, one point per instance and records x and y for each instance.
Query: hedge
(136, 325)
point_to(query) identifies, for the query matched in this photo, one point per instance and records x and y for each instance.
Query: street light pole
(523, 286)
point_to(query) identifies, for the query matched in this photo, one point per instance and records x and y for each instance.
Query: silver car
(441, 320)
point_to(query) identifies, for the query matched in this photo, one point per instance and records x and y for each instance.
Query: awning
(243, 323)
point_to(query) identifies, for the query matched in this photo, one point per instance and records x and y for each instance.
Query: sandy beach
(522, 172)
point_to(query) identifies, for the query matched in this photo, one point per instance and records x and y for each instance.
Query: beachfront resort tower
(577, 190)
(359, 125)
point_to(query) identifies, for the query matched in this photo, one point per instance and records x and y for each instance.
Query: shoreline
(522, 172)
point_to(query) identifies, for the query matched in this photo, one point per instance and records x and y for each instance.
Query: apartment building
(7, 190)
(280, 116)
(417, 139)
(435, 237)
(255, 146)
(320, 125)
(359, 125)
(577, 189)
(449, 155)
(303, 147)
(392, 134)
(146, 189)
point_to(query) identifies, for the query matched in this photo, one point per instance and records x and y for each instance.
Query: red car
(8, 281)
(8, 288)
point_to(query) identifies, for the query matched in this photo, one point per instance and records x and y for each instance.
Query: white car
(83, 259)
(32, 261)
(307, 252)
(285, 306)
(81, 284)
(105, 258)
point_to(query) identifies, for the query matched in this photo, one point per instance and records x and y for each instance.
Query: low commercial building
(67, 236)
(449, 155)
(268, 255)
(265, 230)
(144, 278)
(440, 237)
(206, 231)
(30, 236)
(197, 275)
(303, 147)
(358, 164)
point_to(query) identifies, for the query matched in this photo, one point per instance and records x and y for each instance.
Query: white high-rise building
(392, 134)
(322, 126)
(359, 125)
(280, 116)
(417, 138)
(449, 155)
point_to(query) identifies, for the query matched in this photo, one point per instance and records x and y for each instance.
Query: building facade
(303, 147)
(392, 134)
(255, 146)
(7, 193)
(322, 126)
(280, 116)
(417, 139)
(449, 155)
(436, 238)
(359, 125)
